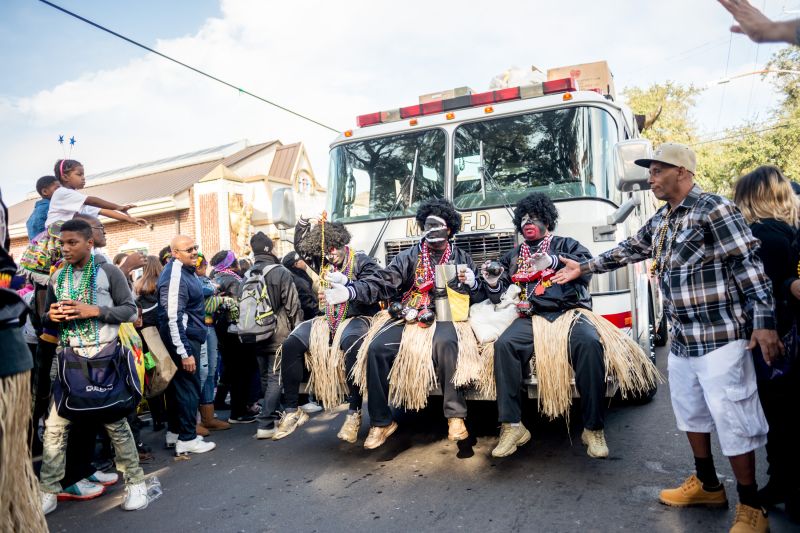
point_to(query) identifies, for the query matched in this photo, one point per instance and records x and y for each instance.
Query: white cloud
(335, 60)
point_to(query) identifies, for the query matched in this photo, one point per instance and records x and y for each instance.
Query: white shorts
(718, 391)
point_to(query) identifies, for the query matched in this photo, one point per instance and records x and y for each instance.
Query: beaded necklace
(525, 275)
(336, 313)
(82, 329)
(228, 272)
(661, 253)
(418, 295)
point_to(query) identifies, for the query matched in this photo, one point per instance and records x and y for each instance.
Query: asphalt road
(419, 481)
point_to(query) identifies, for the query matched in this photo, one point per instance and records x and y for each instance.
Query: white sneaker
(265, 433)
(171, 439)
(82, 490)
(135, 497)
(311, 407)
(197, 445)
(49, 502)
(104, 479)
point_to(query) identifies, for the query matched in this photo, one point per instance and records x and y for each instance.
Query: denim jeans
(209, 356)
(55, 451)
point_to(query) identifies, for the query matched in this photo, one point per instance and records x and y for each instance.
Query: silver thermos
(444, 273)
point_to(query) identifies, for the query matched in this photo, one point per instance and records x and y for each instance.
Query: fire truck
(485, 151)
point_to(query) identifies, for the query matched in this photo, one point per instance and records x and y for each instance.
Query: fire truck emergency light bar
(470, 100)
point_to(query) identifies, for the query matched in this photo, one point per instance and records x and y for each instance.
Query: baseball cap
(678, 155)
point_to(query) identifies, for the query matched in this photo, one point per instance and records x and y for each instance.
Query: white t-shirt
(66, 203)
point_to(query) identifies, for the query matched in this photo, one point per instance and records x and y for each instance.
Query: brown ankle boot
(200, 430)
(208, 421)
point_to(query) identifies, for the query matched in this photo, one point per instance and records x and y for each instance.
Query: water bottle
(153, 489)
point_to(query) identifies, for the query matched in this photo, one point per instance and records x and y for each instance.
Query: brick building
(219, 196)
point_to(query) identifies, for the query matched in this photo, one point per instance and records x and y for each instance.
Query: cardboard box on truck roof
(590, 76)
(445, 95)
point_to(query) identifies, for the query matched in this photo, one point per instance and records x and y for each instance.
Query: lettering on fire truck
(473, 221)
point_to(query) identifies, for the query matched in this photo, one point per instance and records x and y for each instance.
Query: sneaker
(265, 433)
(511, 437)
(289, 422)
(691, 493)
(104, 479)
(82, 490)
(311, 407)
(135, 497)
(244, 419)
(595, 440)
(750, 520)
(378, 435)
(198, 445)
(456, 429)
(350, 428)
(49, 502)
(170, 439)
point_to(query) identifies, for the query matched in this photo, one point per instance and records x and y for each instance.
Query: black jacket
(779, 254)
(556, 298)
(282, 295)
(392, 282)
(309, 302)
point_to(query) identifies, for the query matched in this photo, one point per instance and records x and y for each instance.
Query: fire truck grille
(481, 246)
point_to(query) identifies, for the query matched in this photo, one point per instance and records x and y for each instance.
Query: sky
(331, 60)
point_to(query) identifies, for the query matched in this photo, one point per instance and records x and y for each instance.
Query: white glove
(543, 261)
(337, 277)
(337, 294)
(491, 280)
(468, 275)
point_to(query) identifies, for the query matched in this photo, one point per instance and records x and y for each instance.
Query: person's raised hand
(132, 262)
(756, 25)
(570, 271)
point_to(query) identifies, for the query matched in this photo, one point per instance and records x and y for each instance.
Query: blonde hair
(766, 193)
(148, 283)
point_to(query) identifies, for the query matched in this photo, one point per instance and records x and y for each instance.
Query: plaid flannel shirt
(714, 286)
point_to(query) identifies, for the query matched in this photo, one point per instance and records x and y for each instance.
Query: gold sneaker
(749, 520)
(691, 493)
(289, 422)
(511, 437)
(349, 431)
(456, 429)
(595, 441)
(378, 435)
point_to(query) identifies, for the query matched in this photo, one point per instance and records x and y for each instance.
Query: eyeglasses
(189, 250)
(101, 228)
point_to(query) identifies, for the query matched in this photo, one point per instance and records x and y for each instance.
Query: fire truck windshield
(565, 153)
(366, 177)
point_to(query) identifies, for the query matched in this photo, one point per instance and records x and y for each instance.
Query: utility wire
(755, 66)
(725, 87)
(197, 70)
(742, 134)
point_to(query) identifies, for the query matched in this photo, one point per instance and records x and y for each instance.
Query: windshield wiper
(485, 174)
(408, 183)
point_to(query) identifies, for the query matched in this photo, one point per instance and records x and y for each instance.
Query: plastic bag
(489, 321)
(154, 491)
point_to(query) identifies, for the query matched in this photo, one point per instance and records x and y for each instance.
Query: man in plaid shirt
(715, 292)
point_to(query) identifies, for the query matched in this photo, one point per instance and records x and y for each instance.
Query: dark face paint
(533, 229)
(335, 256)
(435, 233)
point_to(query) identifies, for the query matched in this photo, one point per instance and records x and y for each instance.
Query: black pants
(381, 355)
(183, 399)
(780, 398)
(81, 443)
(293, 360)
(240, 368)
(41, 383)
(513, 352)
(264, 354)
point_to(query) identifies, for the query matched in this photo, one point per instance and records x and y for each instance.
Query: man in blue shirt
(45, 186)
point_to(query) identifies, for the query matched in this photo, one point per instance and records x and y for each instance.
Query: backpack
(104, 388)
(257, 321)
(43, 254)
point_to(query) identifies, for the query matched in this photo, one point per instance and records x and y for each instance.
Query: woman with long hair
(770, 206)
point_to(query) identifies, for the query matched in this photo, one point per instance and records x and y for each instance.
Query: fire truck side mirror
(630, 176)
(283, 215)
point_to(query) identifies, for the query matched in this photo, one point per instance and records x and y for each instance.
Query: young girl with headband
(67, 201)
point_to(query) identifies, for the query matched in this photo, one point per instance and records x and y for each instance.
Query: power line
(197, 70)
(742, 134)
(681, 55)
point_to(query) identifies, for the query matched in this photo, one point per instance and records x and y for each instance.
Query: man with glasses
(716, 296)
(181, 315)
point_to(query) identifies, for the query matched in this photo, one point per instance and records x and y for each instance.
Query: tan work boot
(378, 435)
(208, 421)
(750, 520)
(200, 430)
(595, 440)
(350, 428)
(289, 422)
(511, 437)
(456, 429)
(691, 493)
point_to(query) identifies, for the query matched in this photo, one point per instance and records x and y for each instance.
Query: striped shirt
(713, 282)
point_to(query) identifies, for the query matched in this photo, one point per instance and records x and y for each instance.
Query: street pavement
(420, 481)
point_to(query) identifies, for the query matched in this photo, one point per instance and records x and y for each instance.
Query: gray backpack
(257, 321)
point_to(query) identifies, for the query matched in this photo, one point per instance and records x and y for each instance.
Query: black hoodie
(779, 253)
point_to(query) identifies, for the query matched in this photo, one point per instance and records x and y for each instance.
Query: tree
(666, 108)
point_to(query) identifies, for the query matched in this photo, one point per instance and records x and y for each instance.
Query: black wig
(443, 209)
(336, 235)
(537, 205)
